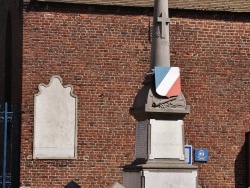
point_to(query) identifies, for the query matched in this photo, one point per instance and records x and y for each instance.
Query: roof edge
(149, 4)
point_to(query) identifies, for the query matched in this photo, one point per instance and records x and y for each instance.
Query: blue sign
(201, 155)
(188, 154)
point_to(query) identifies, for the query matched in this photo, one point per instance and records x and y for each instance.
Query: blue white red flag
(167, 81)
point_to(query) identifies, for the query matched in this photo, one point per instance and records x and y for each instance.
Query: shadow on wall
(241, 167)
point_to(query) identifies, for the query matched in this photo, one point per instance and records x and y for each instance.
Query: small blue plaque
(188, 154)
(201, 155)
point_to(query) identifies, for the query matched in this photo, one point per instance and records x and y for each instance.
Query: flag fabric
(167, 81)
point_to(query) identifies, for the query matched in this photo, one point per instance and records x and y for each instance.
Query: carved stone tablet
(167, 139)
(141, 140)
(55, 121)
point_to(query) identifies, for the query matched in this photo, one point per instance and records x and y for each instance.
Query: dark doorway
(10, 92)
(8, 61)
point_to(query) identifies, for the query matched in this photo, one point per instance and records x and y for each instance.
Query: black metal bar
(7, 117)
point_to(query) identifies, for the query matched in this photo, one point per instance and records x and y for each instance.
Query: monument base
(160, 174)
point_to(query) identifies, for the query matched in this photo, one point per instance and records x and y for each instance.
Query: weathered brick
(104, 55)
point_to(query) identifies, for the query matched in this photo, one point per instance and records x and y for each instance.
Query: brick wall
(104, 53)
(213, 52)
(104, 56)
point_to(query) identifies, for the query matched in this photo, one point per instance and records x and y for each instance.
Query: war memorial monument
(159, 109)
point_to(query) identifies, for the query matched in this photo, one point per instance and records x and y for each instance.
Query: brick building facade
(103, 51)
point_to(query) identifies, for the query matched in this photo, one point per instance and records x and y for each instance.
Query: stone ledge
(161, 164)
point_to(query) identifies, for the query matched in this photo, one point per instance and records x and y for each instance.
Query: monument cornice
(149, 113)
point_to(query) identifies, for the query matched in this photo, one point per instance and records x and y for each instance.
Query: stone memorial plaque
(167, 139)
(55, 120)
(141, 140)
(171, 179)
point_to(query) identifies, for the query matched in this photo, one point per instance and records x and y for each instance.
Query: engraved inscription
(166, 139)
(162, 144)
(55, 121)
(141, 139)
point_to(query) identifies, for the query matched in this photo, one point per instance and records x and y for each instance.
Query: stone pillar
(159, 147)
(160, 55)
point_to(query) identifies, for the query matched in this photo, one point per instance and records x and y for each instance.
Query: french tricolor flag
(167, 81)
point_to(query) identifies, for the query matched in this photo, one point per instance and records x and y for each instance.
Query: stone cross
(160, 53)
(163, 20)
